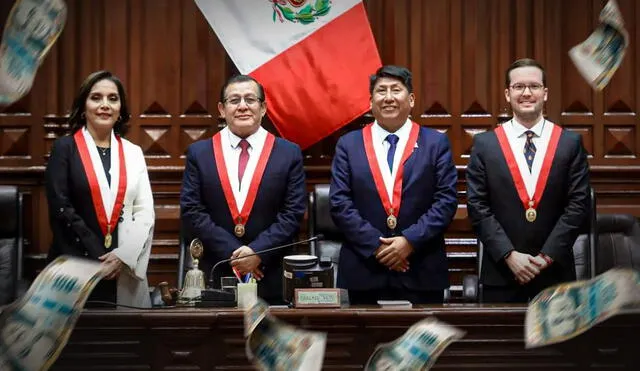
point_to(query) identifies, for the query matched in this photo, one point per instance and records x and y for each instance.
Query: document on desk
(275, 346)
(599, 56)
(565, 311)
(416, 349)
(35, 329)
(395, 304)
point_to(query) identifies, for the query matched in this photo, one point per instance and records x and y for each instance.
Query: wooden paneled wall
(173, 65)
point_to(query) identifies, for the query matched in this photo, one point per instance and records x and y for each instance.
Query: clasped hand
(394, 252)
(250, 264)
(525, 267)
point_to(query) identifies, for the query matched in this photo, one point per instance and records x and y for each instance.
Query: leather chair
(320, 222)
(584, 254)
(618, 242)
(11, 248)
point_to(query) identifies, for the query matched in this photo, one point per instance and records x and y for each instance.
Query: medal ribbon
(391, 208)
(240, 217)
(515, 170)
(106, 225)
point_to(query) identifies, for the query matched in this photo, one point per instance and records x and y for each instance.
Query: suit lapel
(557, 171)
(409, 175)
(81, 186)
(502, 163)
(272, 164)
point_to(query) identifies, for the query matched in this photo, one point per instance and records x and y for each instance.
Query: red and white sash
(530, 204)
(108, 199)
(240, 217)
(391, 207)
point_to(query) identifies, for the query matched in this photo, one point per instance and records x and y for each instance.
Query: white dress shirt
(517, 138)
(231, 152)
(381, 148)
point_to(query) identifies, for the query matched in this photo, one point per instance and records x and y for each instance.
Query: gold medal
(107, 240)
(531, 215)
(392, 222)
(238, 230)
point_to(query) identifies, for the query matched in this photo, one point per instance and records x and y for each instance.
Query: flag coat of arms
(313, 58)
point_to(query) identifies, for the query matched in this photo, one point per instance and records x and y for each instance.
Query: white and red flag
(312, 57)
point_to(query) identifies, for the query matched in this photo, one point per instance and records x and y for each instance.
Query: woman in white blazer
(99, 195)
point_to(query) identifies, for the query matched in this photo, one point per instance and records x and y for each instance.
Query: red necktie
(244, 159)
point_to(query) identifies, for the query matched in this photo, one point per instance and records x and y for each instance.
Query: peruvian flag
(313, 58)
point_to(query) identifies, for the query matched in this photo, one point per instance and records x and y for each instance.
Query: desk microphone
(217, 297)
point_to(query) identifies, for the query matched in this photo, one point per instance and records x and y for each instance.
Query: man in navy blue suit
(393, 194)
(244, 190)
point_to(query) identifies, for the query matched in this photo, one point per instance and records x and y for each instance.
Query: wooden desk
(199, 339)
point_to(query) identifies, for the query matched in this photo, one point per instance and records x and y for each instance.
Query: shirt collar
(520, 129)
(381, 134)
(253, 139)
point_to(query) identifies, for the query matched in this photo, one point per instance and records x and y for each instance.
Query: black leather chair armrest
(23, 287)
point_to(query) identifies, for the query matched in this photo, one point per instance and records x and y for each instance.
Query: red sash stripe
(515, 170)
(241, 216)
(94, 186)
(389, 207)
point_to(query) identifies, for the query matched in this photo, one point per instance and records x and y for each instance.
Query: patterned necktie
(393, 142)
(529, 149)
(244, 158)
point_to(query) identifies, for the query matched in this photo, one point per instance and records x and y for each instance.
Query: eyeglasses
(250, 100)
(520, 88)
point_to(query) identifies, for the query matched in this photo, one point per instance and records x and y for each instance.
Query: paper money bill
(599, 56)
(35, 329)
(253, 315)
(567, 310)
(275, 346)
(31, 29)
(416, 349)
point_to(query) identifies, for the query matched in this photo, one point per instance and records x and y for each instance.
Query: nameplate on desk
(316, 298)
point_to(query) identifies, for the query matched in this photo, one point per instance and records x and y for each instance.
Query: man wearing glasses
(243, 190)
(527, 192)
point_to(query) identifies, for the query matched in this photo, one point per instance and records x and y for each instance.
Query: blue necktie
(393, 142)
(529, 148)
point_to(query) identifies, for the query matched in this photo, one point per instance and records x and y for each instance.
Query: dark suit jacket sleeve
(445, 202)
(361, 236)
(289, 216)
(196, 218)
(66, 224)
(488, 229)
(562, 237)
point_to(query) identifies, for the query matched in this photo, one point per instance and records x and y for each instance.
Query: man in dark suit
(393, 194)
(528, 193)
(243, 190)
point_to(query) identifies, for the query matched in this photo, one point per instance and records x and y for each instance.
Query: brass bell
(194, 281)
